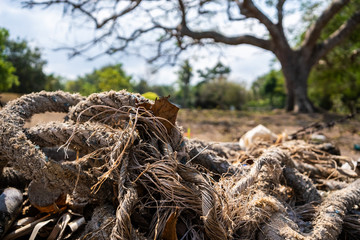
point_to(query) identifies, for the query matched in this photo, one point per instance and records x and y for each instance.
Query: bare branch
(313, 33)
(339, 35)
(89, 13)
(218, 37)
(280, 12)
(129, 8)
(249, 10)
(183, 12)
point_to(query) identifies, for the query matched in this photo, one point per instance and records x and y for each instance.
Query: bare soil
(218, 125)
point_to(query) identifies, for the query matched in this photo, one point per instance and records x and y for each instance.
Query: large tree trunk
(290, 95)
(296, 72)
(302, 102)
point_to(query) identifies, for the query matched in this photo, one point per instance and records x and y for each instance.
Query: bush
(150, 95)
(221, 94)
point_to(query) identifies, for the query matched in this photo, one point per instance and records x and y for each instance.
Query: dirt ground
(217, 125)
(225, 126)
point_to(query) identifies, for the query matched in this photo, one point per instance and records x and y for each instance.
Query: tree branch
(129, 8)
(82, 8)
(313, 33)
(218, 37)
(248, 9)
(339, 35)
(280, 12)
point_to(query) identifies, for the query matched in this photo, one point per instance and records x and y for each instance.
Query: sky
(49, 29)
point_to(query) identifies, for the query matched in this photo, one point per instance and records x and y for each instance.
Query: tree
(215, 91)
(271, 87)
(29, 66)
(7, 77)
(219, 71)
(337, 78)
(54, 83)
(184, 77)
(221, 94)
(109, 77)
(185, 24)
(141, 87)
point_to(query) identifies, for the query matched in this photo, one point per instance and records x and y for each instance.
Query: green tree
(7, 70)
(29, 66)
(184, 77)
(141, 87)
(54, 83)
(270, 87)
(109, 77)
(337, 77)
(221, 94)
(215, 91)
(219, 71)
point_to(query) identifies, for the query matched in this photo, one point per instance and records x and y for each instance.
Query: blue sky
(48, 29)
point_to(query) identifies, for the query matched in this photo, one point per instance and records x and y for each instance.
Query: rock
(10, 204)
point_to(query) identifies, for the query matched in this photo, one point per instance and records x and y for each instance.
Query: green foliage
(269, 90)
(29, 66)
(219, 71)
(221, 94)
(150, 95)
(334, 84)
(54, 83)
(184, 77)
(141, 87)
(7, 70)
(161, 90)
(213, 77)
(185, 73)
(110, 77)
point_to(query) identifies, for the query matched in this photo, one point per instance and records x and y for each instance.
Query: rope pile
(134, 175)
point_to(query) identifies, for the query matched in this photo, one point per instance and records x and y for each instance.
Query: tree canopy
(219, 71)
(335, 82)
(109, 77)
(185, 74)
(29, 66)
(7, 70)
(269, 90)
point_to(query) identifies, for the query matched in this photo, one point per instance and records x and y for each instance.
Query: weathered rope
(272, 156)
(94, 107)
(13, 142)
(86, 137)
(328, 222)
